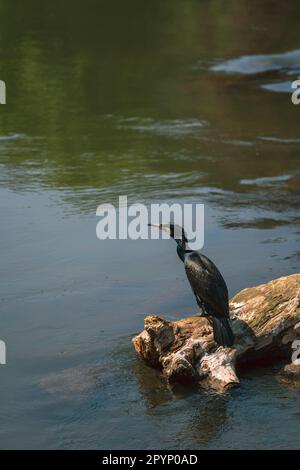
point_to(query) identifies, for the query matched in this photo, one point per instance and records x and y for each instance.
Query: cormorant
(207, 283)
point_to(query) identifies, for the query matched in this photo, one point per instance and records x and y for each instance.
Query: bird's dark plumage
(208, 286)
(211, 294)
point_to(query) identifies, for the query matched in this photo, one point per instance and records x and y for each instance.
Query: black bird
(207, 283)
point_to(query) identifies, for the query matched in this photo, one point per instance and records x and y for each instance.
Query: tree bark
(265, 322)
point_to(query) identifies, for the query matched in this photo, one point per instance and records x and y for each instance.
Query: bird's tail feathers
(223, 334)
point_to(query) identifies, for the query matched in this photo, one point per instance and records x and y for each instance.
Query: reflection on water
(209, 421)
(175, 128)
(162, 101)
(287, 62)
(279, 87)
(152, 386)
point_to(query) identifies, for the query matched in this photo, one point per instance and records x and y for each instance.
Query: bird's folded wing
(207, 283)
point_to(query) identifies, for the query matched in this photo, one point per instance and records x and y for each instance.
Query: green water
(139, 98)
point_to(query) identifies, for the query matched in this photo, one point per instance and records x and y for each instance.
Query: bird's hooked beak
(164, 227)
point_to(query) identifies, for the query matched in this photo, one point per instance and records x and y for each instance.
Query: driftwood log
(265, 321)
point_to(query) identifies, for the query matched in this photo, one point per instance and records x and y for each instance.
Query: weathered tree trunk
(265, 321)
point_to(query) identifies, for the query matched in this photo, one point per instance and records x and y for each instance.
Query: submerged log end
(219, 369)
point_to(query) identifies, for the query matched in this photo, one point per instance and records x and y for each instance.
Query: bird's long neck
(181, 247)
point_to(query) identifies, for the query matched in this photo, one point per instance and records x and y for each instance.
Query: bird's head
(173, 230)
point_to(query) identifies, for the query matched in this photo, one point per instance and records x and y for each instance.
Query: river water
(163, 102)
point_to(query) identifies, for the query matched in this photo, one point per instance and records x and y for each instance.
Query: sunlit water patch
(172, 127)
(279, 140)
(146, 124)
(255, 64)
(266, 180)
(12, 136)
(287, 63)
(280, 87)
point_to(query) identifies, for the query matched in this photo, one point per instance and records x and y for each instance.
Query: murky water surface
(162, 101)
